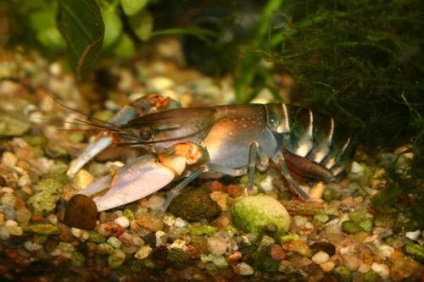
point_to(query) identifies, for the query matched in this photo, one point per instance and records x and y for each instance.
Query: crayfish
(186, 143)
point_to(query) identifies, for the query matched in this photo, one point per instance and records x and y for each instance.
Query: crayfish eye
(145, 133)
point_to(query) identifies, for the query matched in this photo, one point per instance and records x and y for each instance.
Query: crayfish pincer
(213, 141)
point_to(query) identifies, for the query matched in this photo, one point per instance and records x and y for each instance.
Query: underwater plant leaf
(81, 25)
(142, 24)
(113, 26)
(132, 7)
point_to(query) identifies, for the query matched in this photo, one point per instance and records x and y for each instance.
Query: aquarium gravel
(336, 239)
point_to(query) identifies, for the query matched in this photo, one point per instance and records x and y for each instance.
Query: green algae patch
(47, 193)
(260, 215)
(41, 229)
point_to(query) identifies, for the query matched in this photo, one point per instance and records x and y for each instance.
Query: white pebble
(385, 251)
(381, 269)
(83, 235)
(244, 269)
(122, 221)
(160, 83)
(31, 246)
(179, 222)
(155, 202)
(10, 223)
(413, 235)
(300, 221)
(320, 257)
(217, 245)
(143, 252)
(178, 244)
(356, 168)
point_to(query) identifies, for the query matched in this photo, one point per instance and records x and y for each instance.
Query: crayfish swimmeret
(212, 141)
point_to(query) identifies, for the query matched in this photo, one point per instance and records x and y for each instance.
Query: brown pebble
(328, 248)
(234, 191)
(81, 212)
(277, 252)
(216, 186)
(2, 181)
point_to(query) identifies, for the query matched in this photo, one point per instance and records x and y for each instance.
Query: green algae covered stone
(259, 215)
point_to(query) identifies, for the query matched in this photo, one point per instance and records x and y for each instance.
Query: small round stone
(320, 257)
(244, 269)
(122, 221)
(81, 212)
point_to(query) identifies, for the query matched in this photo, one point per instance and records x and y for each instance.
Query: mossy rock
(260, 215)
(194, 205)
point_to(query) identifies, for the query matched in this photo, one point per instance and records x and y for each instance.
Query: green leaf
(132, 7)
(142, 24)
(125, 48)
(81, 25)
(113, 26)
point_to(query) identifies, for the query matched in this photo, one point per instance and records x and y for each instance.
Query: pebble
(381, 269)
(178, 244)
(244, 269)
(220, 261)
(357, 168)
(327, 266)
(179, 222)
(82, 179)
(155, 202)
(116, 259)
(159, 234)
(122, 221)
(114, 242)
(23, 215)
(105, 248)
(143, 252)
(320, 257)
(4, 234)
(277, 252)
(217, 245)
(160, 83)
(15, 230)
(31, 246)
(9, 159)
(413, 235)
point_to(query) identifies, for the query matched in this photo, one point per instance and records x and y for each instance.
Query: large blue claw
(134, 181)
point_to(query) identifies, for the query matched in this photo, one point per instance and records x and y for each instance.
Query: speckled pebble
(143, 252)
(320, 257)
(122, 221)
(244, 269)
